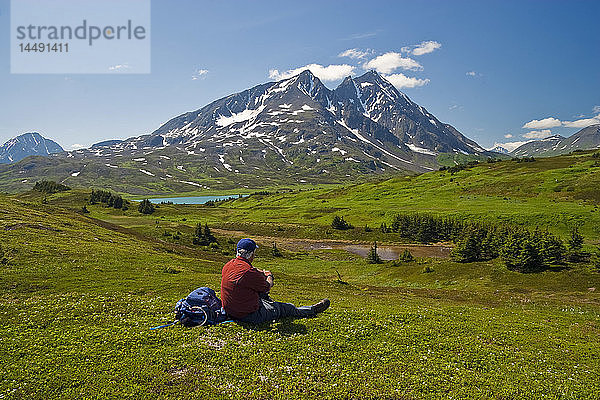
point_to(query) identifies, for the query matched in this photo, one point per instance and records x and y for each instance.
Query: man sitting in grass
(245, 291)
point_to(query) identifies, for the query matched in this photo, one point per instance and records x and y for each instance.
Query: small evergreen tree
(275, 251)
(373, 257)
(575, 242)
(406, 256)
(3, 256)
(552, 250)
(575, 246)
(146, 207)
(203, 236)
(596, 259)
(520, 253)
(339, 223)
(84, 209)
(468, 248)
(489, 247)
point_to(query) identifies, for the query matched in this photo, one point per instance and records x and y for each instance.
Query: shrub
(146, 207)
(339, 223)
(427, 269)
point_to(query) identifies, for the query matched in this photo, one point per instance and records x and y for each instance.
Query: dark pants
(270, 310)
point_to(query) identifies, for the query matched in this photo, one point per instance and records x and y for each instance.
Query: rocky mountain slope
(294, 131)
(26, 145)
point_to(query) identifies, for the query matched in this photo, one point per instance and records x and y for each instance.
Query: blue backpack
(201, 307)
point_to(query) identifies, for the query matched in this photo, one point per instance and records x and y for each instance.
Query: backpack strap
(164, 326)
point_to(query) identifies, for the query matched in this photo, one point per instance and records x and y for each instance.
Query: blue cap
(247, 244)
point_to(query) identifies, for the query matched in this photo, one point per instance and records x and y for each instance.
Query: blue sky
(499, 71)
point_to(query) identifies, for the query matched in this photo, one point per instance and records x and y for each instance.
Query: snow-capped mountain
(366, 117)
(27, 144)
(585, 139)
(498, 148)
(293, 131)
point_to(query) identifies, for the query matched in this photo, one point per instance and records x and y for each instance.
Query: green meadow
(79, 293)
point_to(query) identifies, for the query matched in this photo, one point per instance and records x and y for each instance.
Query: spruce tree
(373, 257)
(468, 248)
(552, 250)
(406, 256)
(275, 251)
(146, 207)
(575, 246)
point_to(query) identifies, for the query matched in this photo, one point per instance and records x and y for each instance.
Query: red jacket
(240, 285)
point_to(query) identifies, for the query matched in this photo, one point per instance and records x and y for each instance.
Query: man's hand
(269, 276)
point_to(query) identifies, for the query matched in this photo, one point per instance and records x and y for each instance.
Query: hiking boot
(321, 306)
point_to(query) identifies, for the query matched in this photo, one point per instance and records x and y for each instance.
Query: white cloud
(596, 109)
(402, 81)
(508, 136)
(543, 123)
(544, 133)
(199, 74)
(552, 122)
(471, 73)
(355, 53)
(119, 67)
(390, 61)
(332, 72)
(510, 146)
(364, 35)
(77, 146)
(582, 123)
(426, 47)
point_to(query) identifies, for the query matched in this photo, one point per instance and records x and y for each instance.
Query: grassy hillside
(79, 292)
(556, 193)
(78, 296)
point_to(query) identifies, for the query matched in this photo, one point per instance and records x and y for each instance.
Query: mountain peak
(27, 144)
(306, 74)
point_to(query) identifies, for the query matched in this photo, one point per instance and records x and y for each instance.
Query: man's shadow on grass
(285, 327)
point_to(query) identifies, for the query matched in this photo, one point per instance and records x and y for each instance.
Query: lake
(190, 200)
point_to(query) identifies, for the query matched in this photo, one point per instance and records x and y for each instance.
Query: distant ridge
(586, 139)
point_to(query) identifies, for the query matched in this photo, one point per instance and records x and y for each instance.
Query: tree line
(521, 249)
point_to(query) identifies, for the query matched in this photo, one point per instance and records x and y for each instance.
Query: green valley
(79, 292)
